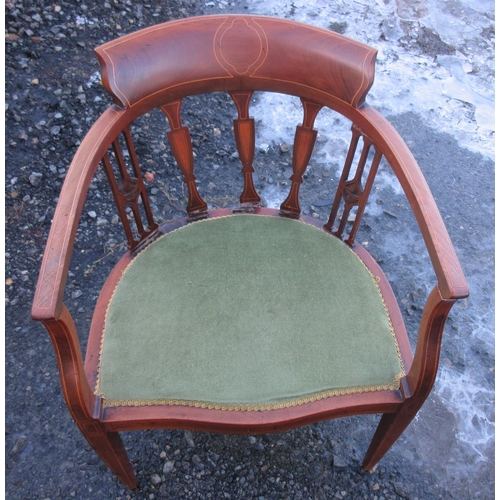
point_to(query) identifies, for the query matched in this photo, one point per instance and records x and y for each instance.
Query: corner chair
(250, 319)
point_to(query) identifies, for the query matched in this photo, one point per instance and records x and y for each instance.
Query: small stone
(58, 48)
(252, 439)
(284, 148)
(35, 81)
(188, 435)
(149, 177)
(101, 221)
(263, 148)
(55, 130)
(20, 443)
(76, 294)
(376, 487)
(339, 462)
(35, 178)
(115, 219)
(217, 132)
(163, 454)
(155, 479)
(168, 467)
(92, 214)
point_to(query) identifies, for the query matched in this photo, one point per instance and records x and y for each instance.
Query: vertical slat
(364, 195)
(244, 133)
(350, 190)
(356, 134)
(305, 138)
(129, 191)
(119, 200)
(180, 142)
(137, 170)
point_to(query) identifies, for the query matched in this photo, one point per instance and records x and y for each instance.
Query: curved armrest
(47, 303)
(451, 280)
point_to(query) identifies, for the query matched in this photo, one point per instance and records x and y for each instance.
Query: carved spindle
(180, 142)
(351, 191)
(142, 189)
(120, 202)
(305, 138)
(128, 192)
(130, 188)
(244, 133)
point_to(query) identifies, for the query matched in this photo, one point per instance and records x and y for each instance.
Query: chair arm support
(426, 360)
(47, 303)
(77, 393)
(451, 280)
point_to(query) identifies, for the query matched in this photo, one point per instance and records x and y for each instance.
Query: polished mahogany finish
(156, 68)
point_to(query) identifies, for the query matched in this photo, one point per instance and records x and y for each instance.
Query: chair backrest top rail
(235, 51)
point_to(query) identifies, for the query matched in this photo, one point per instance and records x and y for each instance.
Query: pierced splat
(180, 142)
(244, 133)
(130, 192)
(351, 191)
(305, 138)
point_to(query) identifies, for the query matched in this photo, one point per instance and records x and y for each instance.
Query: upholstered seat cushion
(246, 312)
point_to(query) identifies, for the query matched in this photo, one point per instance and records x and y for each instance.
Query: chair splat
(131, 191)
(244, 133)
(180, 142)
(305, 138)
(351, 191)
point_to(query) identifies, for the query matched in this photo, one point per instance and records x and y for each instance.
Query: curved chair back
(185, 57)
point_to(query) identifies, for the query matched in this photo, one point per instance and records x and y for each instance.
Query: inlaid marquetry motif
(240, 45)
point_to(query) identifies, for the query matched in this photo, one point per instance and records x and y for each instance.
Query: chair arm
(451, 280)
(47, 303)
(426, 360)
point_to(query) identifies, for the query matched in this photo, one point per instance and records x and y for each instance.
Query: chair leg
(109, 446)
(390, 427)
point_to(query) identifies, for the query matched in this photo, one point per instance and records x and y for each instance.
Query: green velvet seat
(246, 312)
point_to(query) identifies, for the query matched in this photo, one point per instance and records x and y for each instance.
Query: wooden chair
(245, 320)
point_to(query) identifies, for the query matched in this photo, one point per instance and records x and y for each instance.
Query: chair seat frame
(100, 425)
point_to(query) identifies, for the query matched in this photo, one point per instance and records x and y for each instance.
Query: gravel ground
(53, 95)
